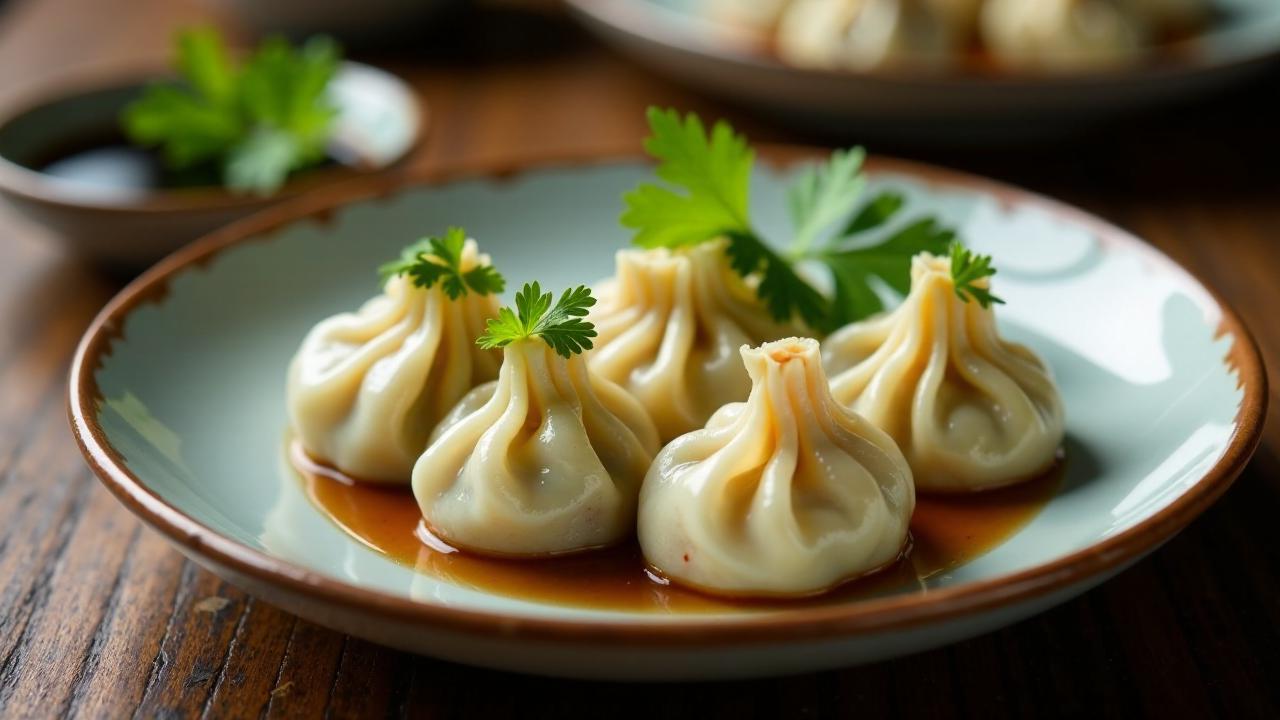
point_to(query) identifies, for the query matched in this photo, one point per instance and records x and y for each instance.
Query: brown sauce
(946, 532)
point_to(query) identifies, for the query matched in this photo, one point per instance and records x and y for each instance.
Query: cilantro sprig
(967, 269)
(560, 326)
(707, 196)
(434, 260)
(256, 121)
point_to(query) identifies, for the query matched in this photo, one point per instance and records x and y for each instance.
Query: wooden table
(99, 617)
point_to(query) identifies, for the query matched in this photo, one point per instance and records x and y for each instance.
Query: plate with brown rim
(177, 401)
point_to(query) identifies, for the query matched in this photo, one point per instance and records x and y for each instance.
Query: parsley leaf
(824, 195)
(561, 326)
(783, 292)
(434, 260)
(715, 172)
(890, 260)
(968, 268)
(258, 122)
(878, 211)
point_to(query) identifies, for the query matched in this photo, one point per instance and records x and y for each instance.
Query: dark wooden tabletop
(99, 617)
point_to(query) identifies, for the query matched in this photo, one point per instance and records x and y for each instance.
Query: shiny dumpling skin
(869, 34)
(1069, 35)
(968, 409)
(548, 459)
(669, 327)
(788, 493)
(366, 389)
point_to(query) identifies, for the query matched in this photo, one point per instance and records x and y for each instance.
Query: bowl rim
(37, 187)
(679, 30)
(862, 618)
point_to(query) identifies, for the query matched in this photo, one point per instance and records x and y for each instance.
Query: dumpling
(788, 493)
(548, 459)
(366, 389)
(868, 34)
(1061, 34)
(969, 409)
(669, 325)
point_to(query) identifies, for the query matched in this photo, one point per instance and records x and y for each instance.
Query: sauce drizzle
(947, 531)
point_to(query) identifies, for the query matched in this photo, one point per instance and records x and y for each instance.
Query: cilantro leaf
(283, 89)
(260, 160)
(890, 260)
(968, 268)
(434, 260)
(713, 170)
(783, 292)
(203, 61)
(711, 175)
(188, 129)
(561, 327)
(822, 196)
(258, 122)
(878, 211)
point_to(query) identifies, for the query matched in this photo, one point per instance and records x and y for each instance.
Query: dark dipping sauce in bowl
(946, 531)
(111, 162)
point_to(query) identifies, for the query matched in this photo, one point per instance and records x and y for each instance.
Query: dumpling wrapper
(669, 327)
(548, 459)
(788, 493)
(1068, 35)
(870, 34)
(968, 409)
(366, 389)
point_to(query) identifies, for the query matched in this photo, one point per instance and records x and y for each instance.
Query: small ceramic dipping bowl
(64, 164)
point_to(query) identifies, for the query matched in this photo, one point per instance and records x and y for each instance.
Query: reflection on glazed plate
(177, 398)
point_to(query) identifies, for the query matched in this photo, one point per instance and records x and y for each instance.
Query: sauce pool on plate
(946, 532)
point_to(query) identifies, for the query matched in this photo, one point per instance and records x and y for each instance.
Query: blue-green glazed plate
(177, 399)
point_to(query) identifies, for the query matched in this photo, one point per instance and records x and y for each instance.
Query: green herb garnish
(257, 122)
(711, 175)
(852, 269)
(968, 268)
(561, 326)
(434, 260)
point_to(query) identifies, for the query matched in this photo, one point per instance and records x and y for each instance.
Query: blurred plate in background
(960, 100)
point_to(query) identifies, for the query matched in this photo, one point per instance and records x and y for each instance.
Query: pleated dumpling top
(788, 493)
(670, 324)
(366, 389)
(969, 409)
(546, 460)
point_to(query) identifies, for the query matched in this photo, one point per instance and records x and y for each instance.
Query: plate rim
(836, 622)
(644, 20)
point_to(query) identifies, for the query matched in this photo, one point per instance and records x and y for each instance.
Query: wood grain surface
(100, 618)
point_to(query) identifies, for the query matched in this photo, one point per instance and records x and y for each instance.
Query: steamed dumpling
(1061, 34)
(869, 34)
(969, 409)
(547, 459)
(366, 389)
(669, 327)
(788, 493)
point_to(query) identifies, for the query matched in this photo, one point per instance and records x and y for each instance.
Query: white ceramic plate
(177, 399)
(673, 38)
